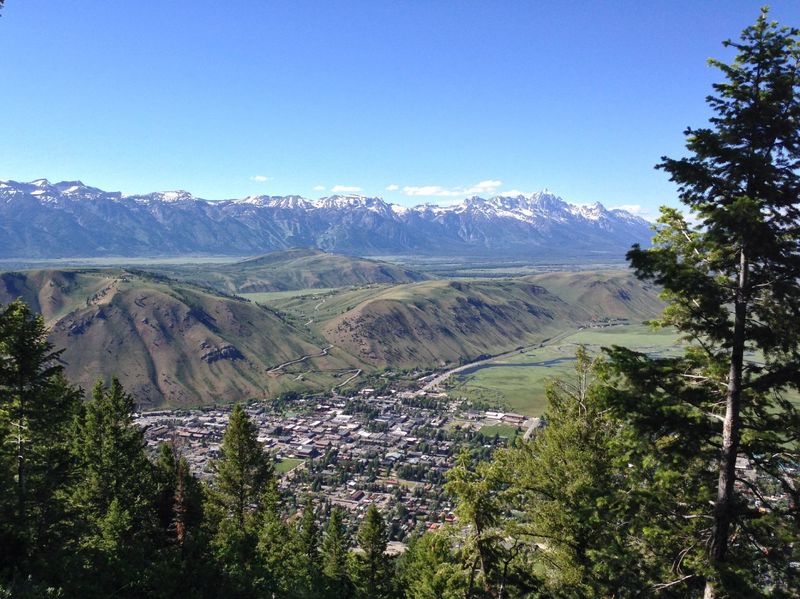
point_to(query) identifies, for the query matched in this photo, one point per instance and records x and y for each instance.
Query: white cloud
(485, 187)
(429, 190)
(345, 189)
(392, 187)
(319, 188)
(488, 186)
(259, 178)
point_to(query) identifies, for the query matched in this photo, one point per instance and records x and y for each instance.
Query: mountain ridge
(70, 219)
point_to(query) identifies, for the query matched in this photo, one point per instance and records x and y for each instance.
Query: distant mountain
(299, 268)
(69, 219)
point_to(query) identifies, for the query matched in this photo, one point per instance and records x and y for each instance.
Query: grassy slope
(437, 322)
(168, 343)
(294, 269)
(154, 333)
(604, 294)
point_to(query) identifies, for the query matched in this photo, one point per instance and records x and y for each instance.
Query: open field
(287, 464)
(518, 383)
(503, 430)
(263, 297)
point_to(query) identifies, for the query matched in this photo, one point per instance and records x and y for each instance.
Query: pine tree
(488, 554)
(114, 497)
(335, 549)
(36, 408)
(179, 495)
(237, 508)
(279, 566)
(431, 568)
(371, 573)
(591, 490)
(308, 553)
(243, 469)
(731, 282)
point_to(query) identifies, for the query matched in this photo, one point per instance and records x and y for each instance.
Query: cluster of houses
(349, 452)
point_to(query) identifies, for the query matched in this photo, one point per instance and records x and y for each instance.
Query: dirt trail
(324, 352)
(342, 384)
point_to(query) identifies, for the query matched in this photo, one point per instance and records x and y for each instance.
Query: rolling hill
(180, 344)
(439, 322)
(604, 294)
(299, 268)
(169, 343)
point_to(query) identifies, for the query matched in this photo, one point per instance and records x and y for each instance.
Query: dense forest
(654, 476)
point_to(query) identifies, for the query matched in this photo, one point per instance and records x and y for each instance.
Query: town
(392, 449)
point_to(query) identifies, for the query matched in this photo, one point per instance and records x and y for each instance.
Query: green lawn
(287, 464)
(504, 430)
(518, 383)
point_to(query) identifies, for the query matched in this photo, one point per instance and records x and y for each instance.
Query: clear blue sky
(432, 99)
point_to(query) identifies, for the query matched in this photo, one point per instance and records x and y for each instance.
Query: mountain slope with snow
(70, 219)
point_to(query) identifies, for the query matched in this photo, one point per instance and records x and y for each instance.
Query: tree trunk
(21, 458)
(731, 431)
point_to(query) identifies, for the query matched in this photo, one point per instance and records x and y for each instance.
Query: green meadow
(518, 383)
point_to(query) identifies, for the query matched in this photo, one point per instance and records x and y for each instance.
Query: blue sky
(414, 101)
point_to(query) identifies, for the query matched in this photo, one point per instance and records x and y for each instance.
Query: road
(324, 352)
(317, 307)
(439, 379)
(357, 372)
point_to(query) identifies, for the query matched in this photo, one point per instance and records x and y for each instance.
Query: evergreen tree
(592, 492)
(243, 469)
(432, 569)
(309, 581)
(281, 570)
(184, 564)
(731, 282)
(180, 496)
(244, 477)
(335, 549)
(114, 497)
(36, 408)
(371, 572)
(490, 555)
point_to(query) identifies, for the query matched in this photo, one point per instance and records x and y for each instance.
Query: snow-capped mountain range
(40, 219)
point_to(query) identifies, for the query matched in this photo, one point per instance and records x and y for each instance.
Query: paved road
(439, 379)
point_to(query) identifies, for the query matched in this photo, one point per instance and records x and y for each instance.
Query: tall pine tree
(335, 549)
(245, 474)
(36, 408)
(115, 497)
(371, 569)
(731, 282)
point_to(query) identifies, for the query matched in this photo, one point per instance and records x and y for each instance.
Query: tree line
(668, 476)
(85, 513)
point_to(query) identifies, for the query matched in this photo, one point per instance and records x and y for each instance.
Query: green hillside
(178, 343)
(168, 342)
(300, 268)
(603, 294)
(444, 322)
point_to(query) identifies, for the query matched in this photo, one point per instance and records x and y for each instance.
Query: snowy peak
(177, 196)
(93, 222)
(351, 202)
(283, 202)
